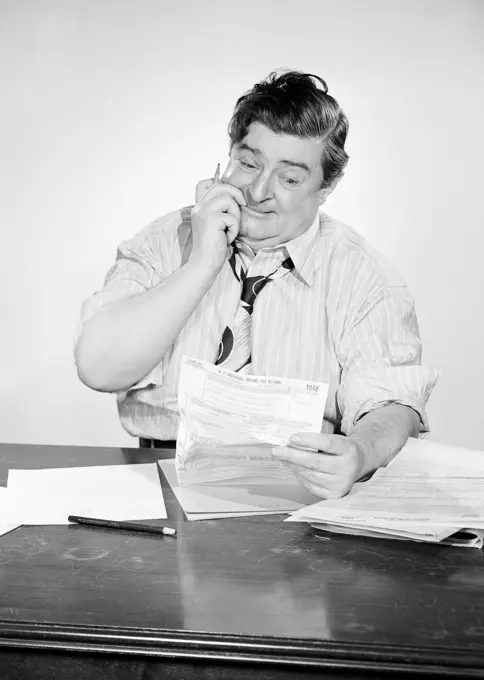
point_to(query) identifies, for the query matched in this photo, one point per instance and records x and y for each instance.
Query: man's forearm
(381, 434)
(126, 339)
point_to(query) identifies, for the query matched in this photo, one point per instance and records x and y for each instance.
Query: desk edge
(241, 648)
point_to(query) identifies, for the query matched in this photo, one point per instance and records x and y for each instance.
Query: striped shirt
(341, 316)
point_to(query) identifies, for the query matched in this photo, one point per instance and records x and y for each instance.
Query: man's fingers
(232, 230)
(202, 188)
(323, 479)
(328, 443)
(232, 225)
(319, 484)
(319, 462)
(222, 203)
(207, 189)
(318, 490)
(225, 188)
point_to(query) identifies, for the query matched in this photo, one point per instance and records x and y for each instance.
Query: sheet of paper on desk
(423, 457)
(6, 528)
(119, 492)
(425, 531)
(378, 531)
(238, 498)
(428, 492)
(472, 539)
(427, 481)
(456, 502)
(229, 422)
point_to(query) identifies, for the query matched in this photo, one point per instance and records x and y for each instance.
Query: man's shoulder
(168, 228)
(343, 242)
(163, 239)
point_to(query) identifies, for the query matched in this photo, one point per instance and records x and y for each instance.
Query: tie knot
(251, 288)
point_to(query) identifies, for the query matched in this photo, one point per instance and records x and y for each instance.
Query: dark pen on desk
(124, 526)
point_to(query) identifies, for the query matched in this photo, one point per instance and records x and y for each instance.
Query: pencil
(216, 177)
(125, 526)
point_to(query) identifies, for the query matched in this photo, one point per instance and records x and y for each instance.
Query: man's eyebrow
(245, 147)
(295, 164)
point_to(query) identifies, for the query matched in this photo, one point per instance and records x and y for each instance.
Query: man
(328, 309)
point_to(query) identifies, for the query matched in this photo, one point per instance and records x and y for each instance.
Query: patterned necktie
(234, 350)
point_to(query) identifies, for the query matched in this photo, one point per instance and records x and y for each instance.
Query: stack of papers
(228, 426)
(430, 492)
(115, 492)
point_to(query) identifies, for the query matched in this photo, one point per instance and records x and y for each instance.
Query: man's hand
(215, 222)
(328, 472)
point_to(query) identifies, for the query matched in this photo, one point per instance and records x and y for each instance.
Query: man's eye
(247, 164)
(290, 181)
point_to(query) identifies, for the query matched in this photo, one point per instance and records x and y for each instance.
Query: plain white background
(112, 110)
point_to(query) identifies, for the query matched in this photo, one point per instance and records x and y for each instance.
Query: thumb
(326, 443)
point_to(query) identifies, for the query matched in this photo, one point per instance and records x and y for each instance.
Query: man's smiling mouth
(257, 213)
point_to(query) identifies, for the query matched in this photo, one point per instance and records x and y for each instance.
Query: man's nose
(261, 188)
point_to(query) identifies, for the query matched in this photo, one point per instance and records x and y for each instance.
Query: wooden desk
(242, 598)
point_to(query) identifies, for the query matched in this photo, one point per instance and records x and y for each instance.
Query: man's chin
(257, 242)
(252, 231)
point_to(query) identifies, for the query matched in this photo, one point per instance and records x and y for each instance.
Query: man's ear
(324, 193)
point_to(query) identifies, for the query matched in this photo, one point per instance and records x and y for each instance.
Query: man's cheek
(235, 176)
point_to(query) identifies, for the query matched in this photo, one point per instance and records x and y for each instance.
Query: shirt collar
(301, 250)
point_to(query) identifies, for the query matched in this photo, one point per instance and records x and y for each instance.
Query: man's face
(280, 176)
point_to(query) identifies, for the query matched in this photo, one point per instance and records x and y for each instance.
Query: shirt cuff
(364, 391)
(152, 380)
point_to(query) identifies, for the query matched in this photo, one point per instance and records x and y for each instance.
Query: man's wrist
(363, 454)
(204, 273)
(380, 434)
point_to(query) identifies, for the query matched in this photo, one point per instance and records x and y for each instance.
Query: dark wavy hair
(296, 103)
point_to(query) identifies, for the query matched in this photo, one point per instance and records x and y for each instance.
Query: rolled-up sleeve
(134, 271)
(380, 359)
